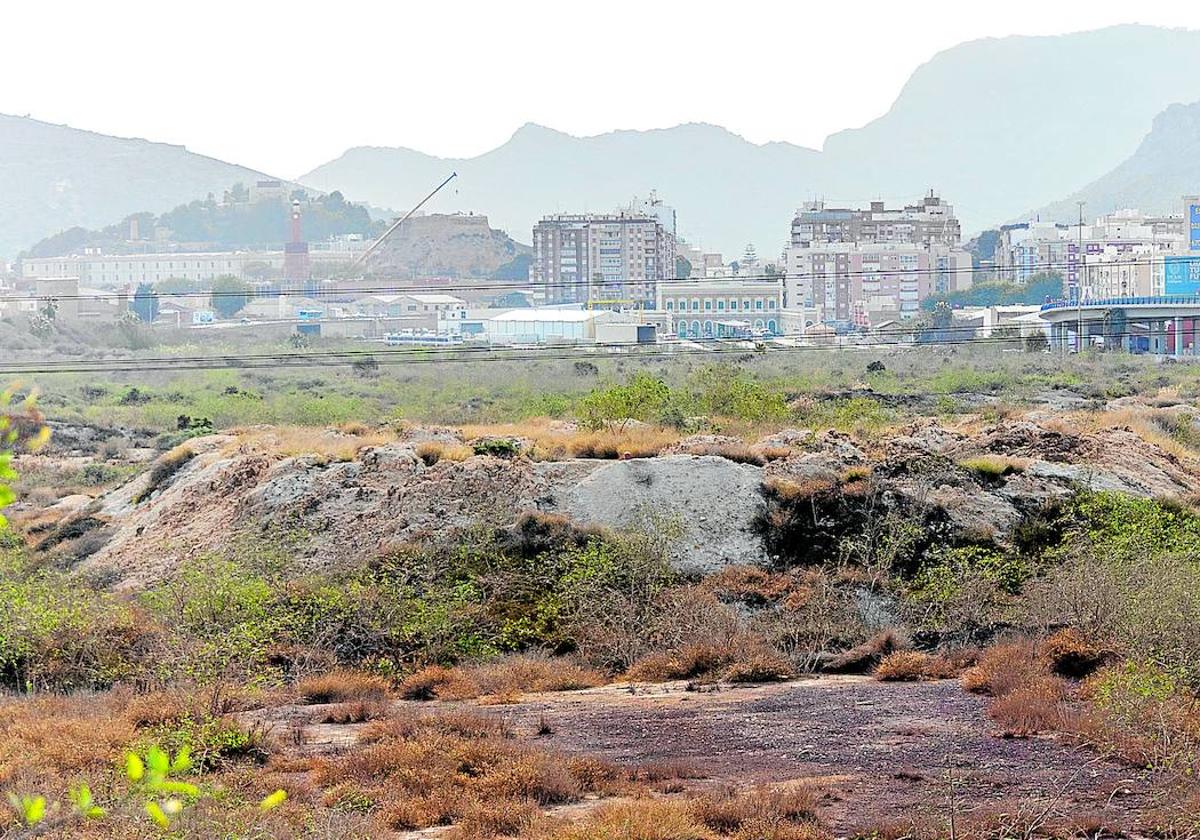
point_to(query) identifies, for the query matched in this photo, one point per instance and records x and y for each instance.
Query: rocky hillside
(449, 245)
(788, 498)
(1165, 167)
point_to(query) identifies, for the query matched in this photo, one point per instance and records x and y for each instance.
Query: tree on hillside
(683, 268)
(230, 295)
(998, 293)
(145, 303)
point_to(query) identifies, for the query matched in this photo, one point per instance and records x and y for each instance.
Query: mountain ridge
(994, 125)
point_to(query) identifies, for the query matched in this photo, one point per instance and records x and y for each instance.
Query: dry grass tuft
(1034, 707)
(464, 769)
(738, 661)
(502, 680)
(358, 711)
(990, 468)
(1006, 667)
(758, 814)
(431, 452)
(911, 665)
(902, 666)
(343, 687)
(333, 444)
(554, 442)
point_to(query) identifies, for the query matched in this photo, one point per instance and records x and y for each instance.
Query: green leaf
(35, 809)
(157, 762)
(134, 768)
(155, 812)
(182, 762)
(274, 800)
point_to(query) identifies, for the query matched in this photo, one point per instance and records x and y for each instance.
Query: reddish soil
(883, 753)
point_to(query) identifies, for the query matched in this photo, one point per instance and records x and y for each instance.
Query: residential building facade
(836, 280)
(856, 266)
(1076, 251)
(611, 260)
(722, 308)
(929, 222)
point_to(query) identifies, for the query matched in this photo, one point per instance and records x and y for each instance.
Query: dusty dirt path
(882, 752)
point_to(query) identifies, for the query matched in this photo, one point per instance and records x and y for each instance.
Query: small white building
(549, 325)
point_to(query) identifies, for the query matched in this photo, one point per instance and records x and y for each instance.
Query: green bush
(497, 447)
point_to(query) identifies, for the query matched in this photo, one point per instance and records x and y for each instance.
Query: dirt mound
(336, 511)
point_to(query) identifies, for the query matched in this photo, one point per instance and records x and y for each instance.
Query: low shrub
(435, 682)
(343, 687)
(902, 666)
(863, 658)
(1006, 667)
(1072, 655)
(991, 468)
(497, 447)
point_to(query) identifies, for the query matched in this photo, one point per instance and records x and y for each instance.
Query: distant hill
(1165, 167)
(54, 177)
(996, 126)
(210, 225)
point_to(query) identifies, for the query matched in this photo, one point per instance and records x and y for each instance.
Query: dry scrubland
(392, 694)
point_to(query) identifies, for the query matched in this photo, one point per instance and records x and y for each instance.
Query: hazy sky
(283, 87)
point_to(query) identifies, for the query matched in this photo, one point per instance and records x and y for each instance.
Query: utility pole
(1079, 272)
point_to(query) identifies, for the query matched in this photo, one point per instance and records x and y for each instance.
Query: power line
(519, 285)
(415, 357)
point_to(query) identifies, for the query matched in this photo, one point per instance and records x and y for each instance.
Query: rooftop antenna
(396, 224)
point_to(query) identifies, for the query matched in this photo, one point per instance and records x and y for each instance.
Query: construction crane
(396, 224)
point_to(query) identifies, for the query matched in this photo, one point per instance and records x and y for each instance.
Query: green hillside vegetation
(222, 225)
(1001, 293)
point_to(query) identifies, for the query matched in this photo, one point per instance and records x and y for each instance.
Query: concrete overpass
(1165, 325)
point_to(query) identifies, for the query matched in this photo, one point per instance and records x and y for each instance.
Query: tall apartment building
(608, 260)
(836, 279)
(842, 262)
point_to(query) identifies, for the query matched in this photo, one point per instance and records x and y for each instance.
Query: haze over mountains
(997, 126)
(1165, 167)
(53, 177)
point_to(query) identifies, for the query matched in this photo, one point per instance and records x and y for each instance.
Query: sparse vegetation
(1087, 609)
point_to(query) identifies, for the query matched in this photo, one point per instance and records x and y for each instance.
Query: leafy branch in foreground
(20, 425)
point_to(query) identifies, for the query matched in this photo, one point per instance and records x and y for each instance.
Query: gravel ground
(883, 753)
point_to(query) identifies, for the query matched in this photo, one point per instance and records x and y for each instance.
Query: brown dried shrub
(863, 658)
(1005, 667)
(343, 687)
(1031, 708)
(1071, 654)
(902, 666)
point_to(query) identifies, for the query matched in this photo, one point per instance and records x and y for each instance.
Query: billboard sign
(1181, 275)
(1193, 215)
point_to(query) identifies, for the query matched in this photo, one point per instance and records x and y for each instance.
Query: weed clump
(163, 470)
